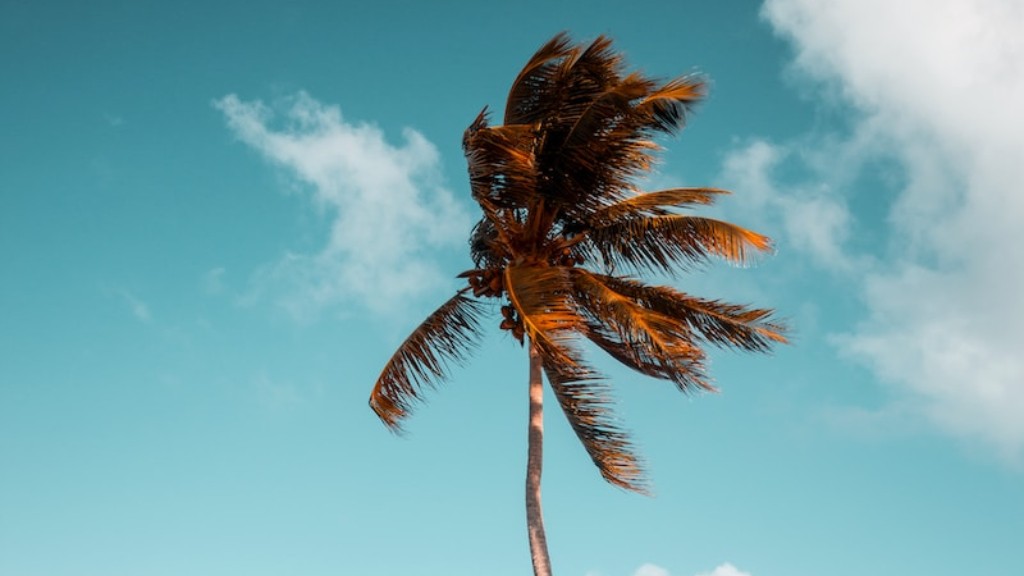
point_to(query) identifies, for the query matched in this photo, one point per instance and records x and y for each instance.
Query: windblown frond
(541, 295)
(530, 95)
(694, 377)
(422, 360)
(654, 204)
(654, 343)
(716, 322)
(586, 401)
(501, 163)
(670, 104)
(666, 243)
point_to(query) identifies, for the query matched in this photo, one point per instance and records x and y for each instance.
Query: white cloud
(814, 219)
(936, 84)
(650, 570)
(390, 212)
(725, 570)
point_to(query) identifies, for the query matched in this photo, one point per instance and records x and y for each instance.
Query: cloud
(725, 570)
(138, 308)
(814, 219)
(391, 214)
(213, 280)
(937, 86)
(650, 570)
(278, 396)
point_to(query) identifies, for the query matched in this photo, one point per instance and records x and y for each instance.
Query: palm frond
(593, 159)
(668, 242)
(486, 247)
(655, 343)
(529, 98)
(654, 204)
(423, 359)
(719, 323)
(541, 295)
(501, 165)
(669, 105)
(693, 377)
(586, 401)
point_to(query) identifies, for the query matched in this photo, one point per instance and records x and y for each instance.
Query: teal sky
(217, 222)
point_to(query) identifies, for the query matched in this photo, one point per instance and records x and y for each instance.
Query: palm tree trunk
(534, 459)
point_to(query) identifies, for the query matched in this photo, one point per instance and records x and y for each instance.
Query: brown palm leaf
(670, 242)
(670, 104)
(654, 204)
(422, 360)
(720, 323)
(586, 401)
(529, 97)
(658, 344)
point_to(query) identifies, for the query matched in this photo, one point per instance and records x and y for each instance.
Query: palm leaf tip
(586, 401)
(423, 359)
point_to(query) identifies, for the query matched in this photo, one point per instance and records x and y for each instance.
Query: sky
(218, 221)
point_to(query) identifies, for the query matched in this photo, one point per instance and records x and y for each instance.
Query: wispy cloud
(114, 120)
(138, 308)
(935, 85)
(278, 396)
(213, 280)
(391, 213)
(814, 217)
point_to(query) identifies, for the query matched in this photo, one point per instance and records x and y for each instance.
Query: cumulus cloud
(390, 211)
(936, 85)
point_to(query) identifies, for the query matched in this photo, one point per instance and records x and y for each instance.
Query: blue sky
(217, 223)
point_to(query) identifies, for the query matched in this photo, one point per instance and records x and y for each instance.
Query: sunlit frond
(630, 354)
(654, 204)
(670, 104)
(657, 344)
(586, 401)
(422, 360)
(541, 295)
(670, 242)
(719, 323)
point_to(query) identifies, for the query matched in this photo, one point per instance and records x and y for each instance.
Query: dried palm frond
(586, 401)
(530, 95)
(716, 322)
(422, 360)
(657, 344)
(540, 294)
(670, 104)
(670, 242)
(654, 204)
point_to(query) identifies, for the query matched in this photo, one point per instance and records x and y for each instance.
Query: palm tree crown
(565, 230)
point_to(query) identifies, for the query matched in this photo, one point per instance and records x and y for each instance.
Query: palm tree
(563, 225)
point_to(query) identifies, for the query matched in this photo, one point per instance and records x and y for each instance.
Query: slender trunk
(534, 459)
